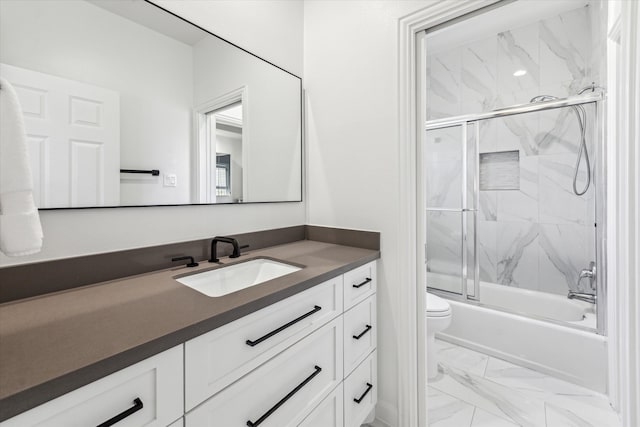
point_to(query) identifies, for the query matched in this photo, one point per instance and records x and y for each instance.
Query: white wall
(152, 73)
(351, 83)
(271, 29)
(78, 232)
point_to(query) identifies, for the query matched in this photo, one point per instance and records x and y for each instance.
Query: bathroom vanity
(146, 350)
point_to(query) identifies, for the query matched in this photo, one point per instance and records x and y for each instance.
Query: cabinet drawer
(218, 358)
(305, 373)
(359, 284)
(329, 413)
(360, 392)
(360, 330)
(157, 382)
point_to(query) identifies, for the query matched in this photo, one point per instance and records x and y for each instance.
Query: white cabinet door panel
(156, 381)
(360, 392)
(306, 372)
(359, 284)
(329, 413)
(216, 359)
(360, 333)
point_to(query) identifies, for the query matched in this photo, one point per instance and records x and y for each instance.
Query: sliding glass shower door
(450, 169)
(510, 200)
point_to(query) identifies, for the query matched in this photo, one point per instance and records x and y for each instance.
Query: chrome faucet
(589, 273)
(590, 298)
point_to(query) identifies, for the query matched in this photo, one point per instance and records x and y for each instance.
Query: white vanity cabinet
(318, 372)
(149, 393)
(308, 360)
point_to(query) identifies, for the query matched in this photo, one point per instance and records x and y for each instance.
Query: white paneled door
(73, 133)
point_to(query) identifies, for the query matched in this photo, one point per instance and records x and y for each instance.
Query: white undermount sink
(232, 278)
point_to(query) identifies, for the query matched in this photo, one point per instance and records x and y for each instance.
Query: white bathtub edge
(584, 354)
(513, 359)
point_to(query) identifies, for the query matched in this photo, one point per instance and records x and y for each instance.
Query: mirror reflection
(127, 105)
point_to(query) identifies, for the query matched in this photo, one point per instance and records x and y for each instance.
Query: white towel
(20, 228)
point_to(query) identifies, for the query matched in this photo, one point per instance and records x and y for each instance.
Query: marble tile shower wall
(540, 236)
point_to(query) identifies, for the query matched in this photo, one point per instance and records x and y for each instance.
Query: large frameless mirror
(126, 104)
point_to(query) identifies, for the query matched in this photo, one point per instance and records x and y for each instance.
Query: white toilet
(438, 319)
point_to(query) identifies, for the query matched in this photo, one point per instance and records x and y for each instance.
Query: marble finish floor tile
(474, 389)
(462, 358)
(447, 411)
(485, 419)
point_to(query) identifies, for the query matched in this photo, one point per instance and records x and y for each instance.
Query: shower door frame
(598, 180)
(465, 209)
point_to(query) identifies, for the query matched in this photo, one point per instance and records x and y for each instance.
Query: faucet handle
(192, 262)
(589, 273)
(586, 273)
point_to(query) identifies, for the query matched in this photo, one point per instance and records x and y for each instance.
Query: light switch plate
(170, 180)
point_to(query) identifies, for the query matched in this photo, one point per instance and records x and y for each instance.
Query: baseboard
(386, 415)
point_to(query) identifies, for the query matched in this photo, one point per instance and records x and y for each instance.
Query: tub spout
(590, 298)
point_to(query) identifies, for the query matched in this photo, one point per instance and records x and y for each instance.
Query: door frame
(202, 150)
(624, 220)
(623, 208)
(412, 375)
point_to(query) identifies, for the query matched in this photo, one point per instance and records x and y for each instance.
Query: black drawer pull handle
(316, 308)
(137, 405)
(284, 399)
(367, 280)
(361, 334)
(369, 387)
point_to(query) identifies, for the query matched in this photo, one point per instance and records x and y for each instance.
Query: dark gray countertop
(55, 343)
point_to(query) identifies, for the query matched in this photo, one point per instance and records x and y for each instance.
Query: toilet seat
(437, 307)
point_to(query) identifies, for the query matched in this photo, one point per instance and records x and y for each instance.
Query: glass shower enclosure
(504, 203)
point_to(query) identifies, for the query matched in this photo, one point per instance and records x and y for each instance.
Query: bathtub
(508, 323)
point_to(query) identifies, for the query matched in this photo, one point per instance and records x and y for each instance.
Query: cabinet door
(360, 392)
(329, 413)
(360, 331)
(283, 391)
(359, 283)
(152, 389)
(216, 359)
